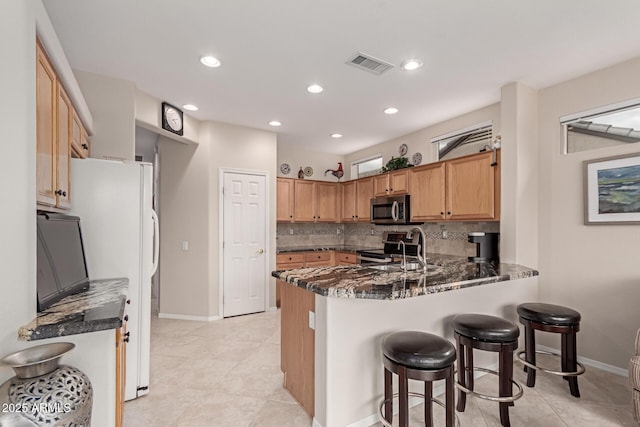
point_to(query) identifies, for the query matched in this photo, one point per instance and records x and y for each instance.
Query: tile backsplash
(443, 238)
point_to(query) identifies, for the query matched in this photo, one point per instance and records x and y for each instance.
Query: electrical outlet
(312, 320)
(373, 232)
(339, 231)
(444, 234)
(291, 231)
(185, 245)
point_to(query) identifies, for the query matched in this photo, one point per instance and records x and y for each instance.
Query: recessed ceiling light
(411, 64)
(275, 123)
(336, 135)
(190, 107)
(210, 61)
(315, 88)
(390, 110)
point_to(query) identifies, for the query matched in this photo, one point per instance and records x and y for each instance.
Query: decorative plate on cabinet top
(308, 171)
(403, 149)
(285, 168)
(416, 159)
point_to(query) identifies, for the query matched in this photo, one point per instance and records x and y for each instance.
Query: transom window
(609, 126)
(464, 141)
(366, 167)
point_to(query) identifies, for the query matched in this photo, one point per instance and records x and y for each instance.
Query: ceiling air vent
(369, 63)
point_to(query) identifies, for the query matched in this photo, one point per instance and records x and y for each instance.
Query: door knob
(260, 251)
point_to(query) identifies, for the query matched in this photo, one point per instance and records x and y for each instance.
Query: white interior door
(244, 242)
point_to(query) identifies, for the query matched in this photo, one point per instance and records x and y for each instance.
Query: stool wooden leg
(388, 395)
(462, 375)
(403, 390)
(569, 356)
(505, 389)
(530, 352)
(469, 370)
(449, 399)
(428, 404)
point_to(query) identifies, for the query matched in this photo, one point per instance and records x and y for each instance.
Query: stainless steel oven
(391, 240)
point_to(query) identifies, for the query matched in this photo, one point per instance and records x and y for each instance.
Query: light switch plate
(185, 245)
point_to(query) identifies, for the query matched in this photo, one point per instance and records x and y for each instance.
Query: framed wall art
(612, 190)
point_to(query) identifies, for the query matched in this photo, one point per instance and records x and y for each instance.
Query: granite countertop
(359, 281)
(339, 248)
(99, 308)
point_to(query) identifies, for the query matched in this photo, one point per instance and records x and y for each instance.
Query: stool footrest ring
(500, 399)
(581, 370)
(411, 394)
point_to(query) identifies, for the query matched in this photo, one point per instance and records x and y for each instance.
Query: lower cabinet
(122, 337)
(291, 260)
(297, 344)
(346, 258)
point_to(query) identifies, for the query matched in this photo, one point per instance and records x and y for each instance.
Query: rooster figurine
(338, 173)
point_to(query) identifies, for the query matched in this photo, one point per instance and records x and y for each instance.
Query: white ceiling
(272, 50)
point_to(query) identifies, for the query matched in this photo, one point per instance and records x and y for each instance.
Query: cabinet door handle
(126, 318)
(391, 189)
(128, 301)
(85, 146)
(441, 213)
(61, 193)
(448, 213)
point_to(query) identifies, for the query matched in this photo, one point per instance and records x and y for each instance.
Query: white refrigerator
(120, 232)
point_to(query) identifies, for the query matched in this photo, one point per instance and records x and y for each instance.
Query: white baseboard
(590, 362)
(187, 317)
(274, 308)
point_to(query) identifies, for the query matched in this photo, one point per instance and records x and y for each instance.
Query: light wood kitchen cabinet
(319, 259)
(315, 201)
(356, 200)
(462, 189)
(79, 139)
(427, 189)
(297, 345)
(285, 199)
(473, 188)
(391, 183)
(291, 260)
(46, 123)
(57, 128)
(346, 258)
(122, 338)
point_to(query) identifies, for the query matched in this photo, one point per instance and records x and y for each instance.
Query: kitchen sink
(411, 266)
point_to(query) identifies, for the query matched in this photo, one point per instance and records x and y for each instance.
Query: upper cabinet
(392, 183)
(356, 200)
(307, 201)
(427, 187)
(53, 119)
(315, 201)
(285, 194)
(59, 132)
(463, 189)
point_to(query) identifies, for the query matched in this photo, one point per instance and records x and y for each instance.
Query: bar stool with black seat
(556, 319)
(488, 333)
(417, 356)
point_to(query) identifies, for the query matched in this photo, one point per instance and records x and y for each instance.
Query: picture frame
(612, 190)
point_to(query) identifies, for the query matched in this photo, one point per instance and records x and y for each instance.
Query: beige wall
(419, 141)
(593, 269)
(190, 190)
(184, 216)
(319, 162)
(112, 103)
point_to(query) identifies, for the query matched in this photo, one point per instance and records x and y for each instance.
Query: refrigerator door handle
(156, 241)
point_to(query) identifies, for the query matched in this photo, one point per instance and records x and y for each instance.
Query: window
(604, 127)
(464, 141)
(366, 167)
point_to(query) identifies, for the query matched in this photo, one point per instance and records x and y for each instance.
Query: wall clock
(172, 119)
(285, 168)
(403, 149)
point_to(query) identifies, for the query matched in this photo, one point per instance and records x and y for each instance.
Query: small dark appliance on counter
(487, 249)
(62, 268)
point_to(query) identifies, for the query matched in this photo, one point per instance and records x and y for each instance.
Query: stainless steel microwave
(391, 210)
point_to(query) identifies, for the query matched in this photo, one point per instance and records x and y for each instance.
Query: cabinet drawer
(346, 258)
(318, 264)
(289, 265)
(317, 257)
(289, 257)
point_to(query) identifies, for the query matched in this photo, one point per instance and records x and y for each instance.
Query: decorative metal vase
(44, 393)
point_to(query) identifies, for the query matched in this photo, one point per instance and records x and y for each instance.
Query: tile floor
(226, 373)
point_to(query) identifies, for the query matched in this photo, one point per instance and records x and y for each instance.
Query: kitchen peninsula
(333, 319)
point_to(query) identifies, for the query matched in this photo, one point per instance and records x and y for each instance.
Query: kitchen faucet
(422, 259)
(403, 264)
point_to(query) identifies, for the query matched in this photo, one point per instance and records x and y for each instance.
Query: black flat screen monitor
(62, 267)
